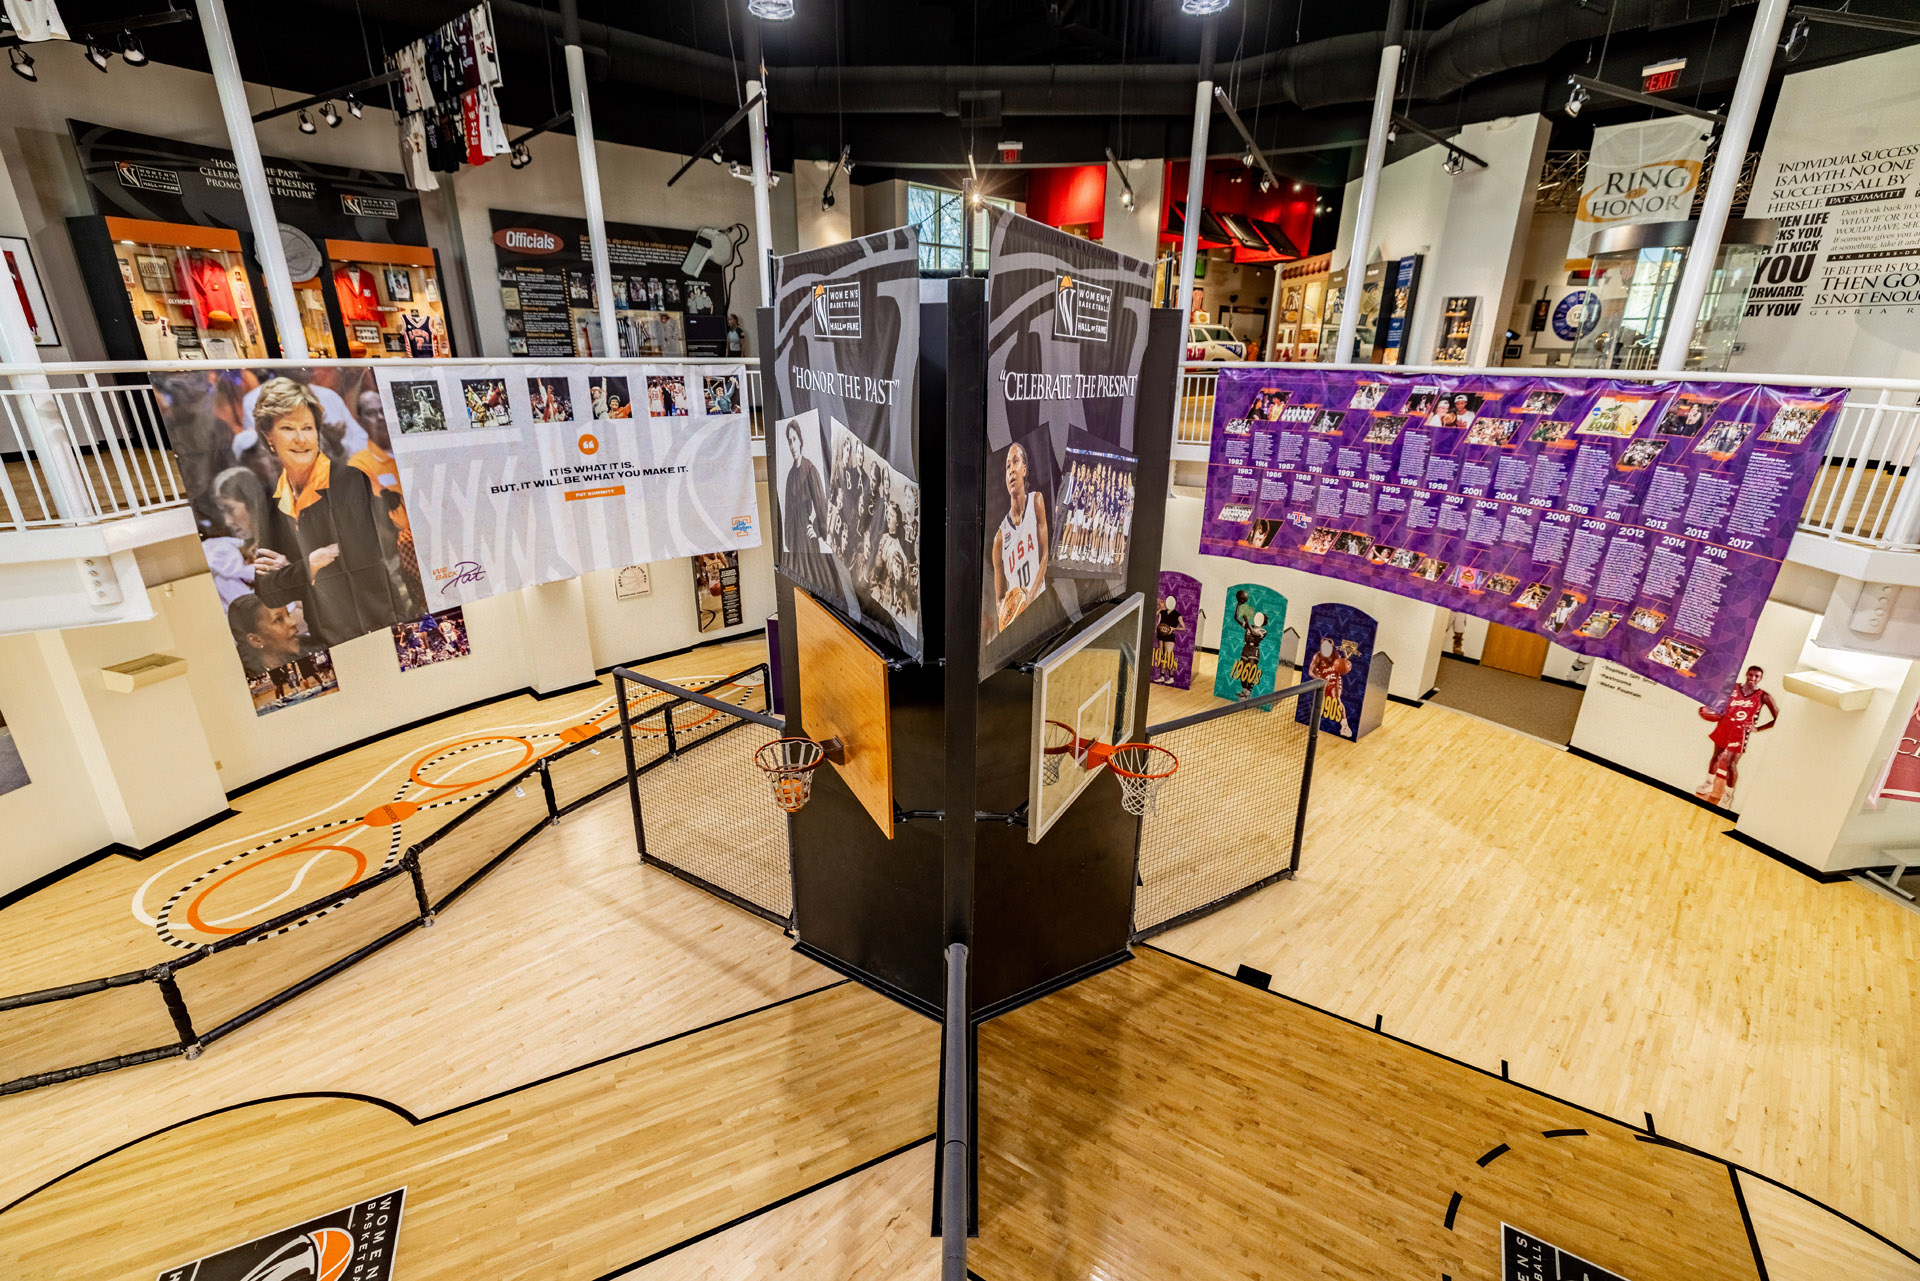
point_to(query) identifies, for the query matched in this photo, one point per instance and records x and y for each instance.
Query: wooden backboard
(843, 695)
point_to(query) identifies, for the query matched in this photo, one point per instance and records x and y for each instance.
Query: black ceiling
(886, 76)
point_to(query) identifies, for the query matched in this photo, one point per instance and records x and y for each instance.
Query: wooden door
(1512, 650)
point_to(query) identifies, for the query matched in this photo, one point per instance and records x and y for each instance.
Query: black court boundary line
(1649, 781)
(1753, 1238)
(58, 874)
(751, 1215)
(1634, 1130)
(402, 1112)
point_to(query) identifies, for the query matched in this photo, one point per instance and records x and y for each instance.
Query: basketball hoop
(789, 764)
(1141, 768)
(1060, 739)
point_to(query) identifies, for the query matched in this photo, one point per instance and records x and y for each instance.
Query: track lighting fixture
(1454, 163)
(1126, 198)
(1393, 132)
(826, 200)
(353, 106)
(98, 53)
(521, 156)
(718, 158)
(1797, 39)
(1201, 8)
(846, 161)
(330, 114)
(771, 10)
(1126, 188)
(306, 123)
(1246, 157)
(132, 52)
(1577, 98)
(1266, 183)
(22, 63)
(843, 166)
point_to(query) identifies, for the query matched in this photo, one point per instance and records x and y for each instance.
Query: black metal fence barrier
(178, 1007)
(1231, 820)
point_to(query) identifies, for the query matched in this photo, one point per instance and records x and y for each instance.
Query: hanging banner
(1637, 173)
(716, 590)
(1249, 662)
(1639, 522)
(1176, 627)
(521, 474)
(844, 463)
(1066, 336)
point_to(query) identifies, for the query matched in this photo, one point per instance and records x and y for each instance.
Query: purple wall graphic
(1176, 626)
(1640, 522)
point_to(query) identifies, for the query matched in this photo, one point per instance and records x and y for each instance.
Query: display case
(188, 290)
(1455, 344)
(389, 300)
(1635, 273)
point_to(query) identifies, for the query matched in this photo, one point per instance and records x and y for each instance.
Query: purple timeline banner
(1639, 522)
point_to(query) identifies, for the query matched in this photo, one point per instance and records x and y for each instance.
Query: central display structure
(969, 480)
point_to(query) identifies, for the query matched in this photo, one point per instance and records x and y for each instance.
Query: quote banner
(1639, 522)
(522, 474)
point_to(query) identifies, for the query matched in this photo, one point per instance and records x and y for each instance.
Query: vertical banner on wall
(1249, 662)
(297, 495)
(716, 590)
(1900, 777)
(1339, 651)
(844, 469)
(1176, 627)
(1640, 522)
(1637, 173)
(1066, 337)
(522, 474)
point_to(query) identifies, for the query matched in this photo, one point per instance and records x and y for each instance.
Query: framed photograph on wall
(399, 285)
(156, 273)
(18, 256)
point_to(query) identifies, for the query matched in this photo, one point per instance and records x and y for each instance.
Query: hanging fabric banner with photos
(1639, 522)
(521, 474)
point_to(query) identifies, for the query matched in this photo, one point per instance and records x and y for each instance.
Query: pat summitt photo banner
(1639, 522)
(521, 473)
(844, 463)
(1066, 339)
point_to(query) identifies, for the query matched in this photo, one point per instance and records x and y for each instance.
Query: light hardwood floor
(1493, 898)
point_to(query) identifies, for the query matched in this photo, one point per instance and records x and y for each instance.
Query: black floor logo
(1528, 1258)
(355, 1242)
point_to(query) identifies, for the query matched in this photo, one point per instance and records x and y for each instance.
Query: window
(935, 213)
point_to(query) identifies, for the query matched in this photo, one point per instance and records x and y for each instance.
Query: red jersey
(359, 301)
(1738, 720)
(210, 292)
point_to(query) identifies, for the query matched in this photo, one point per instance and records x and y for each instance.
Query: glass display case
(1635, 273)
(189, 290)
(389, 299)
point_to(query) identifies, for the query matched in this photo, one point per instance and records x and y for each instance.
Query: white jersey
(1020, 547)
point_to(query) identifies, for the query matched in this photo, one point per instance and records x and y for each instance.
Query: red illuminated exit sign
(1661, 76)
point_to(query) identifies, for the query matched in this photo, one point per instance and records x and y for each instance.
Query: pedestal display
(1340, 652)
(1176, 628)
(1250, 635)
(957, 469)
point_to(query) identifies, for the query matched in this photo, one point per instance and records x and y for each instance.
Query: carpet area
(1535, 707)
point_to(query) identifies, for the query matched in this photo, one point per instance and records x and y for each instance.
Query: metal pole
(253, 178)
(757, 138)
(1684, 314)
(633, 772)
(590, 178)
(1383, 89)
(1196, 169)
(955, 1124)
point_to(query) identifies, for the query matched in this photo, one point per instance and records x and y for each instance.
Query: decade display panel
(1639, 522)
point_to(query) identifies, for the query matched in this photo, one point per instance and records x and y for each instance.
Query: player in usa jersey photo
(1021, 545)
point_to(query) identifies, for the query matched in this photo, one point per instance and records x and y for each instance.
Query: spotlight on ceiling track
(1266, 183)
(1393, 132)
(1126, 198)
(1246, 157)
(771, 10)
(22, 63)
(1454, 163)
(1577, 98)
(131, 50)
(353, 106)
(1797, 38)
(1201, 8)
(521, 156)
(330, 114)
(98, 54)
(306, 123)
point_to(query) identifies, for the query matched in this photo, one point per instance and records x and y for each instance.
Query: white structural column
(590, 178)
(1197, 168)
(35, 418)
(1684, 314)
(757, 142)
(253, 178)
(1362, 245)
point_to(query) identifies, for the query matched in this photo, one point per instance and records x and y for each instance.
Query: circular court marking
(460, 745)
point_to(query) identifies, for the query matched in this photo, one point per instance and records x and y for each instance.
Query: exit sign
(1661, 76)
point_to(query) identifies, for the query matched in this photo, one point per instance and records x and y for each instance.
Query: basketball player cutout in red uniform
(1331, 668)
(1733, 729)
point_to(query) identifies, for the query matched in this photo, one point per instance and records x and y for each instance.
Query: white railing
(82, 444)
(1861, 496)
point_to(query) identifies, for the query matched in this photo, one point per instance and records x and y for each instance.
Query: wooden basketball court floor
(1157, 1120)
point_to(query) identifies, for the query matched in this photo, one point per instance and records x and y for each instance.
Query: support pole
(35, 419)
(253, 178)
(1196, 170)
(590, 178)
(1383, 89)
(956, 1166)
(1684, 314)
(757, 139)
